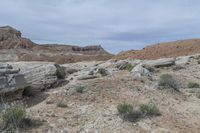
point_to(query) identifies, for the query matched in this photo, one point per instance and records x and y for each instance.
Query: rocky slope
(163, 50)
(88, 103)
(13, 47)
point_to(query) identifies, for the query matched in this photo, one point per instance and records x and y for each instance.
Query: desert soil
(95, 110)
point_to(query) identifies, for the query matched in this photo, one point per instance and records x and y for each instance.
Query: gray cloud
(116, 24)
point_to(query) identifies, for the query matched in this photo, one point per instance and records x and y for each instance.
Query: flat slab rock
(164, 62)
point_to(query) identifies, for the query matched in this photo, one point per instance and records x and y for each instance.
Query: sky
(117, 25)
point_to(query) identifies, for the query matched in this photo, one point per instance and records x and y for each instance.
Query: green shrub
(102, 71)
(149, 109)
(60, 72)
(193, 85)
(125, 66)
(130, 113)
(80, 89)
(129, 67)
(13, 117)
(61, 104)
(167, 81)
(127, 113)
(125, 108)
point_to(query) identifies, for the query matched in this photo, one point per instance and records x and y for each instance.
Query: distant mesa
(13, 47)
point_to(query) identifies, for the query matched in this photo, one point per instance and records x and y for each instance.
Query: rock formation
(13, 47)
(40, 75)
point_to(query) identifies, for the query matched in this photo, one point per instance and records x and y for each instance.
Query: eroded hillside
(13, 47)
(163, 50)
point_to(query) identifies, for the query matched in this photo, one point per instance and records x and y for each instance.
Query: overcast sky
(115, 24)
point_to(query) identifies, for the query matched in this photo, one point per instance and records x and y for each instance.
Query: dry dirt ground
(95, 110)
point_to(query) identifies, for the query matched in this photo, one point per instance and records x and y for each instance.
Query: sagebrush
(12, 117)
(166, 81)
(127, 113)
(80, 89)
(133, 113)
(149, 109)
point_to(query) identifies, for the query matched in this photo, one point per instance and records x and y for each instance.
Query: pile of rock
(12, 83)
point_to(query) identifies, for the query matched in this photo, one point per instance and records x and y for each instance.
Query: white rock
(39, 75)
(139, 71)
(164, 62)
(182, 60)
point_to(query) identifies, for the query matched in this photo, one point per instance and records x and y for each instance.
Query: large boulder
(164, 62)
(12, 83)
(40, 76)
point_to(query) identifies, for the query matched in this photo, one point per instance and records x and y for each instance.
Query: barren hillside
(163, 50)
